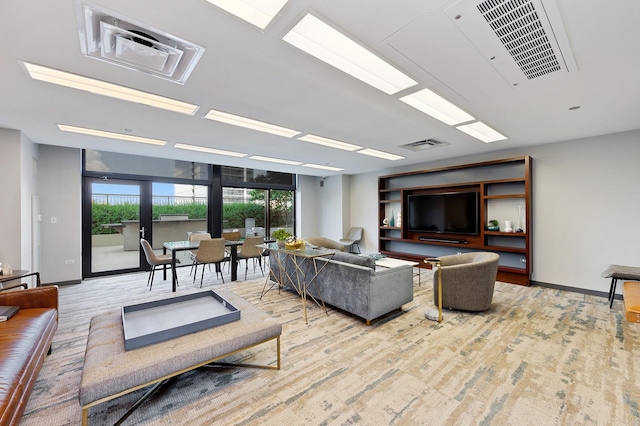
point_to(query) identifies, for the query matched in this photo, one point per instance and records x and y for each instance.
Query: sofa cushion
(355, 259)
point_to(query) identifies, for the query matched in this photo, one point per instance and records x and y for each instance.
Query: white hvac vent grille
(424, 144)
(124, 42)
(519, 27)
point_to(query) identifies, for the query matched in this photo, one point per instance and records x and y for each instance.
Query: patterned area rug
(538, 357)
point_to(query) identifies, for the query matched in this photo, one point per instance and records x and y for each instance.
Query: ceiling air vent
(523, 40)
(519, 28)
(124, 42)
(425, 144)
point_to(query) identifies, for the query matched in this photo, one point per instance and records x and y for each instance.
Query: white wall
(307, 222)
(332, 207)
(11, 198)
(18, 174)
(585, 206)
(60, 182)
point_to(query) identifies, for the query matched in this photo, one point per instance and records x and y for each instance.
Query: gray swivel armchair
(468, 281)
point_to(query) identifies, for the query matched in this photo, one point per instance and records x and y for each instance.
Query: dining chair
(196, 236)
(250, 250)
(231, 236)
(210, 251)
(156, 260)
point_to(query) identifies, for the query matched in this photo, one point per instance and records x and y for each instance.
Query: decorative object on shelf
(494, 225)
(6, 269)
(508, 226)
(392, 221)
(519, 210)
(385, 221)
(399, 220)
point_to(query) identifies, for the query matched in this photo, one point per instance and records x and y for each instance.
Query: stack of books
(7, 312)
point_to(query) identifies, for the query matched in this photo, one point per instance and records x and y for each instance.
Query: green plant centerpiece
(281, 236)
(494, 225)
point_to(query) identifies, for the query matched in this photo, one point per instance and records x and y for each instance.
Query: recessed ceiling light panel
(437, 107)
(380, 154)
(208, 150)
(275, 160)
(110, 135)
(329, 142)
(256, 12)
(318, 39)
(248, 123)
(74, 81)
(481, 131)
(321, 167)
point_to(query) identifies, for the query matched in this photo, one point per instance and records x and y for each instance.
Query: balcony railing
(163, 200)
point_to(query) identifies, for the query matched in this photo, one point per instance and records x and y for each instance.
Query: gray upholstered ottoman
(109, 371)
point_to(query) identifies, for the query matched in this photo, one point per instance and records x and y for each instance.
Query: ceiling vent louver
(121, 41)
(523, 40)
(519, 28)
(424, 144)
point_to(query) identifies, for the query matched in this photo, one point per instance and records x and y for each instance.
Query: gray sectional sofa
(353, 284)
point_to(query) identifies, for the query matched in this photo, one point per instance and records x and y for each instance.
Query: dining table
(176, 246)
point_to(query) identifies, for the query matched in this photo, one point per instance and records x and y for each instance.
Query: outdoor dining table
(176, 246)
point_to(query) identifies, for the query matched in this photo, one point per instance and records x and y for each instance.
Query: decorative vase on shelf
(508, 226)
(392, 220)
(399, 220)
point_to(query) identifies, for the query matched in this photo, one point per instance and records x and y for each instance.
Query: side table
(17, 275)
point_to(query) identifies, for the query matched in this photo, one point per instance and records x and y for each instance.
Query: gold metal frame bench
(110, 372)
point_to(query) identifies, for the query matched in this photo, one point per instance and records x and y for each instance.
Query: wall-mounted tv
(444, 213)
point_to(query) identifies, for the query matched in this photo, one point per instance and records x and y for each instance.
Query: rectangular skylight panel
(248, 123)
(437, 107)
(256, 12)
(103, 88)
(330, 142)
(318, 39)
(481, 131)
(208, 150)
(110, 135)
(380, 154)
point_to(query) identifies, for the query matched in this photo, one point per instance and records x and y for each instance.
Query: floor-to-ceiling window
(129, 197)
(257, 202)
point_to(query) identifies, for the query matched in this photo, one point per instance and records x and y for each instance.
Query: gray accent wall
(60, 182)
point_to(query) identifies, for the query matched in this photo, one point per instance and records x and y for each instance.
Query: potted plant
(494, 225)
(281, 235)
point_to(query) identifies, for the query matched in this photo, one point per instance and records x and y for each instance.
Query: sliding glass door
(115, 228)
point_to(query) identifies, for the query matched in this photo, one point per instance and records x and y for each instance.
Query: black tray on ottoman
(153, 322)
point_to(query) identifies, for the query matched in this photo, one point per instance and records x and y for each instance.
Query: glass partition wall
(128, 197)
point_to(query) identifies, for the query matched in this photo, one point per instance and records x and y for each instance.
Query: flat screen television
(444, 213)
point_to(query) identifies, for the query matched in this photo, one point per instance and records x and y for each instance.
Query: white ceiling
(254, 73)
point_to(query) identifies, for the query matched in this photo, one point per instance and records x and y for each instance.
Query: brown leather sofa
(25, 340)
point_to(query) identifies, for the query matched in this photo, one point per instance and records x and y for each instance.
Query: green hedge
(234, 213)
